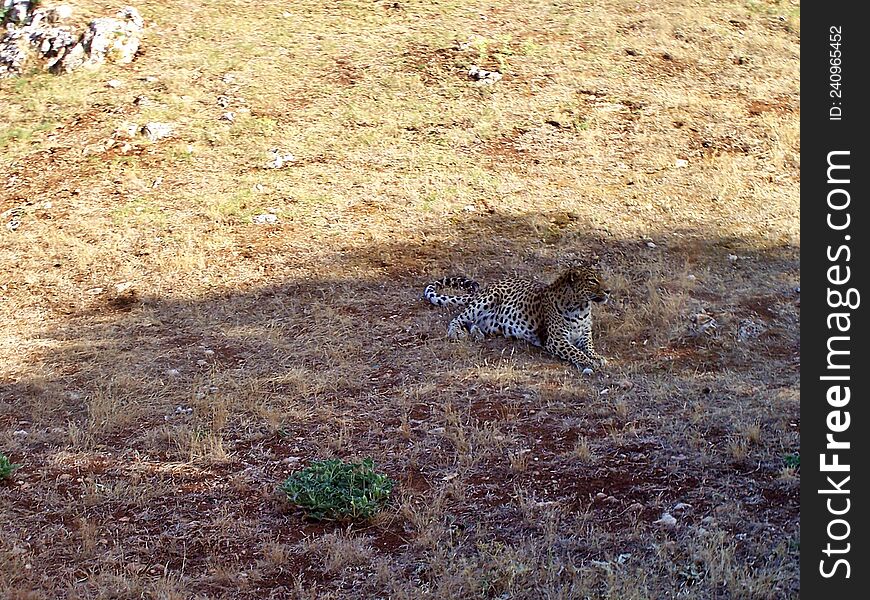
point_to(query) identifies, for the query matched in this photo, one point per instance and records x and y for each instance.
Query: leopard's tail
(462, 283)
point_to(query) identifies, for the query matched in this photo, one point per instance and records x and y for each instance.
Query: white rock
(61, 12)
(681, 506)
(173, 372)
(279, 158)
(228, 116)
(587, 371)
(106, 39)
(650, 244)
(666, 520)
(156, 131)
(681, 162)
(21, 433)
(483, 76)
(265, 219)
(732, 257)
(114, 83)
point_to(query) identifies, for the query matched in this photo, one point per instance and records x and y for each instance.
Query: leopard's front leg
(464, 324)
(563, 348)
(585, 345)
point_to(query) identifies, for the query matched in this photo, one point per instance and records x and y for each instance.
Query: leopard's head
(582, 284)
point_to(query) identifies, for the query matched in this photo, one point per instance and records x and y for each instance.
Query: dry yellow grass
(165, 362)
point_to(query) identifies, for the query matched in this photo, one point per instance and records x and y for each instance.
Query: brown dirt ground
(165, 363)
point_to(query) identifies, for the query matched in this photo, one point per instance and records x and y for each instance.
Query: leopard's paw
(476, 334)
(456, 332)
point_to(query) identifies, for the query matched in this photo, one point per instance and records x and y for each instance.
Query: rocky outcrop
(38, 35)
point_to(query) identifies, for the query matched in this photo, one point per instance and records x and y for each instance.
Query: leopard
(556, 317)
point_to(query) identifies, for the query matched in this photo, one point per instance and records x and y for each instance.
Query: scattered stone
(33, 34)
(667, 520)
(156, 131)
(94, 291)
(650, 244)
(228, 116)
(681, 162)
(587, 371)
(604, 392)
(113, 83)
(622, 558)
(183, 410)
(173, 372)
(55, 14)
(732, 258)
(279, 159)
(600, 496)
(17, 11)
(157, 182)
(691, 277)
(483, 76)
(20, 433)
(228, 78)
(107, 39)
(749, 329)
(265, 219)
(681, 506)
(223, 101)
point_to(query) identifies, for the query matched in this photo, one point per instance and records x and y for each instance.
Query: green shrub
(792, 461)
(6, 467)
(334, 490)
